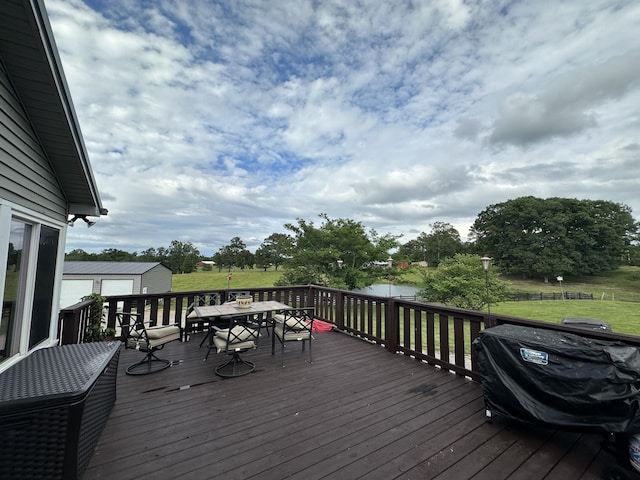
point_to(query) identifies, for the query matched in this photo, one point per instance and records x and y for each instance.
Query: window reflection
(13, 286)
(43, 292)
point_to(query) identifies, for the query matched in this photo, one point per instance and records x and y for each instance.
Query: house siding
(26, 177)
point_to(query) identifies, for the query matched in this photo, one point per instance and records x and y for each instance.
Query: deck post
(391, 326)
(339, 296)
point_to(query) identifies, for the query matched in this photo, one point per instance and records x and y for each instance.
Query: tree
(79, 255)
(245, 259)
(182, 257)
(275, 249)
(414, 250)
(233, 255)
(555, 236)
(460, 281)
(149, 255)
(116, 255)
(443, 242)
(317, 250)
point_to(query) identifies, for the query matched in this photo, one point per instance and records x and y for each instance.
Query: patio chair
(147, 339)
(194, 321)
(293, 326)
(239, 337)
(231, 296)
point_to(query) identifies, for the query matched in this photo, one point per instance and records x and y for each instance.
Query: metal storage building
(112, 278)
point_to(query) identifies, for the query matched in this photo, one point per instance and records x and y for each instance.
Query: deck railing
(73, 322)
(432, 333)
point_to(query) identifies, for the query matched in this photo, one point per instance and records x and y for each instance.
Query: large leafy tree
(442, 242)
(414, 250)
(555, 236)
(234, 255)
(336, 253)
(182, 257)
(274, 250)
(460, 281)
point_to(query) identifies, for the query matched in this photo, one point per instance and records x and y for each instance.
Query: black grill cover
(560, 379)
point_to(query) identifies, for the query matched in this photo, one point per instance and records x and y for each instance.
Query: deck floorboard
(357, 412)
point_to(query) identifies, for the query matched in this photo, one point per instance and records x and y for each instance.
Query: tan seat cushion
(238, 333)
(221, 345)
(291, 322)
(292, 334)
(158, 335)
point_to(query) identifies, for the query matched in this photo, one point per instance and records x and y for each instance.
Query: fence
(551, 296)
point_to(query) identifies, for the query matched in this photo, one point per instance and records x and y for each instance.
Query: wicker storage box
(53, 407)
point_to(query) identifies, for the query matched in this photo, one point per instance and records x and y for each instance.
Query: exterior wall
(156, 280)
(31, 195)
(26, 178)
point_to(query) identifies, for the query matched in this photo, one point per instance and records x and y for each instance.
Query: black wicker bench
(53, 407)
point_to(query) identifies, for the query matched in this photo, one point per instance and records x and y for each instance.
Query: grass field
(215, 280)
(617, 294)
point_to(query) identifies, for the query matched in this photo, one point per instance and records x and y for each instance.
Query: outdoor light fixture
(339, 262)
(72, 222)
(486, 261)
(560, 279)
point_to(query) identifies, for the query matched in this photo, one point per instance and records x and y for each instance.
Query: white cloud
(207, 120)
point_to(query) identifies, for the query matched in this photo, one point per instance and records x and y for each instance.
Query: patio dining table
(217, 312)
(231, 308)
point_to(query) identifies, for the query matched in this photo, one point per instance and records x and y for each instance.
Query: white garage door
(72, 291)
(116, 287)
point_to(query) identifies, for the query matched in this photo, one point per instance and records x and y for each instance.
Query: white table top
(232, 309)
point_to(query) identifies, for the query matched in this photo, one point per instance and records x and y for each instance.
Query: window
(15, 279)
(45, 279)
(29, 254)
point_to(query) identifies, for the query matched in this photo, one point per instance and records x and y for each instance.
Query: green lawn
(624, 317)
(215, 280)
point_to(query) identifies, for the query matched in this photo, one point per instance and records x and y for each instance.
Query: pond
(389, 290)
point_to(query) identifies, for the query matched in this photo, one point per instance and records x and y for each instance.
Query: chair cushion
(292, 322)
(158, 335)
(291, 334)
(162, 331)
(238, 334)
(221, 345)
(162, 334)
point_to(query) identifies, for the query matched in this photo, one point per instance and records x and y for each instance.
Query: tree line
(528, 236)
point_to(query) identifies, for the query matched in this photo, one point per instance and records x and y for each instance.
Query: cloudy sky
(205, 119)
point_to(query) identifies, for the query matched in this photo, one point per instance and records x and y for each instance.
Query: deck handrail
(433, 333)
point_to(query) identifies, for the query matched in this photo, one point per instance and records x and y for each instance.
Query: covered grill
(560, 379)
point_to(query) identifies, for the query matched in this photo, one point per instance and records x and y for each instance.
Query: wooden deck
(357, 412)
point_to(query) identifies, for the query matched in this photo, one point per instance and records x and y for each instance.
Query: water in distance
(389, 290)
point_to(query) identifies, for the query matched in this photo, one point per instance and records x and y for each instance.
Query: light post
(560, 279)
(339, 262)
(486, 261)
(389, 265)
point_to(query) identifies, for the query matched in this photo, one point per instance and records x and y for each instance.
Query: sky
(206, 120)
